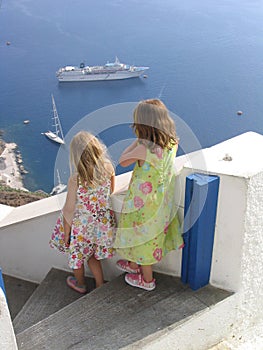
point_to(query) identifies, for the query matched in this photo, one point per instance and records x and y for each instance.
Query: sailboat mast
(56, 119)
(59, 181)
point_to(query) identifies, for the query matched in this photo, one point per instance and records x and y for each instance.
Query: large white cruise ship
(110, 71)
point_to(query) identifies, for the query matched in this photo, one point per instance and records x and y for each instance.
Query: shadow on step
(17, 292)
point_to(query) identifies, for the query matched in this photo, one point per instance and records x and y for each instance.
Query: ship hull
(53, 137)
(79, 76)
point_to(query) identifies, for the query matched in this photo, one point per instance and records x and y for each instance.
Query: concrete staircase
(111, 317)
(50, 296)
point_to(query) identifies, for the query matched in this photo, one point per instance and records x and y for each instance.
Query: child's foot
(125, 266)
(136, 280)
(73, 283)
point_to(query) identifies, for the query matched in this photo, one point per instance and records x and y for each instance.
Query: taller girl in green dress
(149, 228)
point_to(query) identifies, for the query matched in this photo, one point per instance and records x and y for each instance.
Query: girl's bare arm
(112, 186)
(131, 147)
(135, 152)
(111, 171)
(69, 207)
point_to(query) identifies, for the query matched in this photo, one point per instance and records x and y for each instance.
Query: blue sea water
(205, 60)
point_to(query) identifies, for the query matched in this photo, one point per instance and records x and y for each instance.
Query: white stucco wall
(250, 311)
(27, 230)
(7, 336)
(236, 200)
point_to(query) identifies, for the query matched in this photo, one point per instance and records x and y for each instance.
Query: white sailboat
(57, 134)
(59, 188)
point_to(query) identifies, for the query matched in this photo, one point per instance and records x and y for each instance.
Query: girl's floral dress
(93, 228)
(149, 228)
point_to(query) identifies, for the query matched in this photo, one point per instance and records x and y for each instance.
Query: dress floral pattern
(149, 228)
(93, 227)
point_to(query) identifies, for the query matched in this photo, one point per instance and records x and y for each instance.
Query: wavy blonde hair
(89, 158)
(153, 123)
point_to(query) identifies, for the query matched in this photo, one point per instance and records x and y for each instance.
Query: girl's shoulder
(157, 150)
(157, 155)
(140, 150)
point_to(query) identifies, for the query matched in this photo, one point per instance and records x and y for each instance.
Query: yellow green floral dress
(148, 227)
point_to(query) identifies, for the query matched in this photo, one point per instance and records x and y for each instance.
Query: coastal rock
(16, 198)
(11, 159)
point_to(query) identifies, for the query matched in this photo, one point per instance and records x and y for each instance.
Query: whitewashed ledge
(7, 336)
(242, 154)
(4, 211)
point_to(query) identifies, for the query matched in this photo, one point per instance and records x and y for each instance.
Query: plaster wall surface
(7, 336)
(26, 231)
(236, 194)
(228, 239)
(250, 311)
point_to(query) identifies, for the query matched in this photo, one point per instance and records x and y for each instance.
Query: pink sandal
(125, 265)
(136, 280)
(72, 283)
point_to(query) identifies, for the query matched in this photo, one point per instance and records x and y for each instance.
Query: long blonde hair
(89, 158)
(153, 123)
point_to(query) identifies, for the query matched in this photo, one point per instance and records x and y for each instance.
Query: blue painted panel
(186, 235)
(199, 226)
(2, 285)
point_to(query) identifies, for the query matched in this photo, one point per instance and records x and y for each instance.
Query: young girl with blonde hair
(86, 227)
(148, 227)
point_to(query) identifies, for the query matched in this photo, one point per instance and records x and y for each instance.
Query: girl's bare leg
(147, 273)
(79, 275)
(133, 265)
(96, 270)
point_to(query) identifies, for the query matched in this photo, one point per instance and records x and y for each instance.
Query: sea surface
(205, 59)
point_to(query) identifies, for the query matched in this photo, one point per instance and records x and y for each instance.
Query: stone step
(51, 295)
(116, 315)
(17, 292)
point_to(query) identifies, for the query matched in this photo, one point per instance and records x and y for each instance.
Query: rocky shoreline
(10, 162)
(12, 191)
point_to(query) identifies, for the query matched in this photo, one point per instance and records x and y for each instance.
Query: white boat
(59, 188)
(57, 134)
(110, 71)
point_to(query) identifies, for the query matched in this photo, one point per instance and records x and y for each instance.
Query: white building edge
(237, 262)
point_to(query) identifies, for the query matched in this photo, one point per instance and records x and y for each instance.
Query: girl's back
(94, 216)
